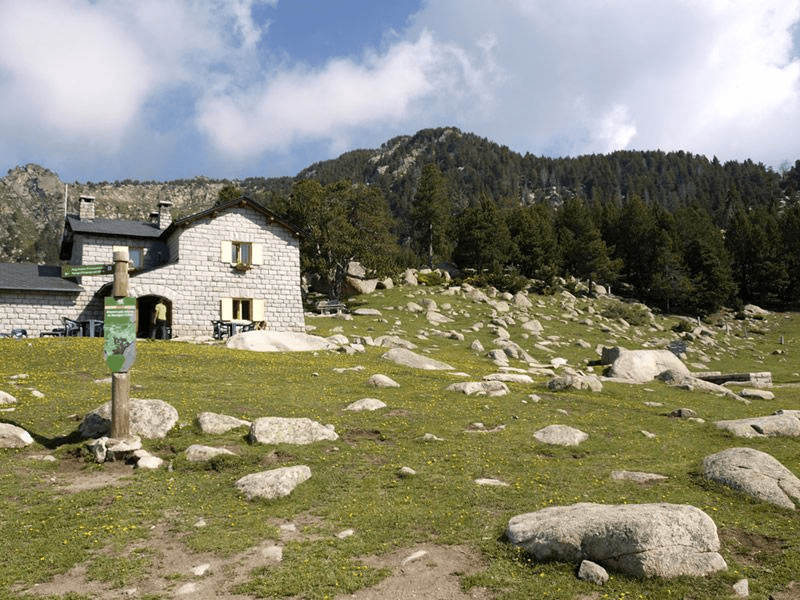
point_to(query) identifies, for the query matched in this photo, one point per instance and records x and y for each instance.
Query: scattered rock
(150, 419)
(576, 382)
(641, 366)
(407, 358)
(200, 453)
(283, 430)
(760, 394)
(273, 484)
(742, 588)
(366, 404)
(642, 540)
(754, 473)
(479, 388)
(560, 435)
(110, 449)
(783, 423)
(683, 413)
(6, 398)
(367, 312)
(592, 572)
(406, 472)
(213, 423)
(637, 476)
(509, 377)
(12, 436)
(491, 482)
(277, 341)
(382, 381)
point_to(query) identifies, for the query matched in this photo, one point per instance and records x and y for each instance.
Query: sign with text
(119, 324)
(86, 270)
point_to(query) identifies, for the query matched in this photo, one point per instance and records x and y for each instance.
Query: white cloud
(297, 105)
(91, 83)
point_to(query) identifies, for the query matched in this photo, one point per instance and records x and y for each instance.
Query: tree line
(668, 245)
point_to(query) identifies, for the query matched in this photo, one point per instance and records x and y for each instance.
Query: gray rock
(642, 540)
(759, 394)
(213, 423)
(683, 413)
(754, 473)
(393, 341)
(641, 366)
(534, 327)
(742, 588)
(12, 436)
(283, 430)
(479, 388)
(592, 572)
(277, 341)
(111, 449)
(780, 424)
(200, 453)
(560, 435)
(437, 318)
(576, 382)
(6, 398)
(407, 358)
(145, 460)
(509, 377)
(150, 419)
(366, 404)
(637, 476)
(273, 484)
(476, 346)
(367, 312)
(382, 381)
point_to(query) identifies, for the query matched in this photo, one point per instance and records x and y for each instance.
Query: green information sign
(85, 270)
(119, 326)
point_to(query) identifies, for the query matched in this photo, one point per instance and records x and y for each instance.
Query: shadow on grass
(73, 437)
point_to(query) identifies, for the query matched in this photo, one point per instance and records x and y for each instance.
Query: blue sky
(104, 90)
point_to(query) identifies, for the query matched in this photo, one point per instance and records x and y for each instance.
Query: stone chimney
(86, 208)
(164, 216)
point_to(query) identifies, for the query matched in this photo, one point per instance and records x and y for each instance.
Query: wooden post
(120, 382)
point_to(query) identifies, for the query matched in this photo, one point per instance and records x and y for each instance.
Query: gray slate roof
(115, 227)
(39, 278)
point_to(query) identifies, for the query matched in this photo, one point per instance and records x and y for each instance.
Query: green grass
(355, 484)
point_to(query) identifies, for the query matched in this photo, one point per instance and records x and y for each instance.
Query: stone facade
(192, 265)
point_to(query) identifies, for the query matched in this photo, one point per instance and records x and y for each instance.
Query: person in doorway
(160, 321)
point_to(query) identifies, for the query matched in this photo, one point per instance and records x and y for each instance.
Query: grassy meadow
(48, 528)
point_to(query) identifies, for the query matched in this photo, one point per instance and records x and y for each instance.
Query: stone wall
(195, 285)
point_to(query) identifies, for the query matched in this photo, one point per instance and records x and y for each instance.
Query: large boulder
(783, 423)
(642, 540)
(149, 418)
(641, 366)
(200, 453)
(278, 341)
(755, 473)
(407, 358)
(273, 484)
(12, 436)
(284, 430)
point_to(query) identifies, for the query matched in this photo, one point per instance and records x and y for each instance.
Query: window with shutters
(241, 253)
(242, 309)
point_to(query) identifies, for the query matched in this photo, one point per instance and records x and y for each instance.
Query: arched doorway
(146, 311)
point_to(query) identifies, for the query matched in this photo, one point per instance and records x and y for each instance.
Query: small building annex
(234, 261)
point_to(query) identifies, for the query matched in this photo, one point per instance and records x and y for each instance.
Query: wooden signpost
(119, 330)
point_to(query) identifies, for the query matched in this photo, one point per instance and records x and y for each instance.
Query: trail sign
(86, 270)
(119, 326)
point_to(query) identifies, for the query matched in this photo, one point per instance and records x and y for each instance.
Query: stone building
(235, 262)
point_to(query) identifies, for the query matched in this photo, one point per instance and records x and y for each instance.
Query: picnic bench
(329, 307)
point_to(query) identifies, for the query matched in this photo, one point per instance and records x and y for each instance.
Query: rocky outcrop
(642, 540)
(782, 423)
(754, 473)
(213, 423)
(283, 430)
